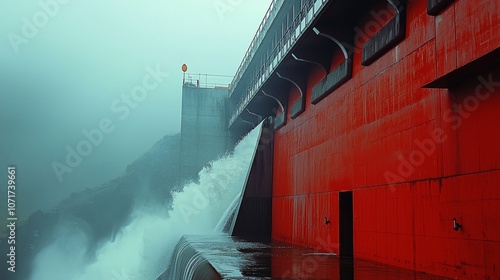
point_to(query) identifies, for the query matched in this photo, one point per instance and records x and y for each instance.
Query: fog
(142, 249)
(88, 86)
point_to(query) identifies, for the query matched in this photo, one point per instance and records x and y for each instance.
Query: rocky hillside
(100, 211)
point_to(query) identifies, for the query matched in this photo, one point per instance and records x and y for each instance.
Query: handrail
(271, 13)
(294, 31)
(206, 80)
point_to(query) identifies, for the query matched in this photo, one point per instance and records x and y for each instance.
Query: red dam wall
(414, 157)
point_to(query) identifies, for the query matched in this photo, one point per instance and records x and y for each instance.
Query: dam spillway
(225, 257)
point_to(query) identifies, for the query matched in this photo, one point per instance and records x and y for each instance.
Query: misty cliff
(100, 211)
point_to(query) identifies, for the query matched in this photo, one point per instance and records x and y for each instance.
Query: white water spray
(141, 250)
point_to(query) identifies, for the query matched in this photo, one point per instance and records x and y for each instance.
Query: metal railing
(206, 80)
(301, 22)
(266, 22)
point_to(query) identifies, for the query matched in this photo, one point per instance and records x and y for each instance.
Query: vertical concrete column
(204, 122)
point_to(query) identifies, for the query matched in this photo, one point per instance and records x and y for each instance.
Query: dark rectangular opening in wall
(346, 224)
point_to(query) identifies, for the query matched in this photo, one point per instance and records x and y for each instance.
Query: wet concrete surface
(239, 258)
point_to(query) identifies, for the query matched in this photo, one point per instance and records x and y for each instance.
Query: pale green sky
(66, 67)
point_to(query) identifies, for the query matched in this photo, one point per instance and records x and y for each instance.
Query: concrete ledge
(484, 65)
(434, 7)
(188, 263)
(279, 121)
(474, 69)
(298, 107)
(225, 257)
(332, 81)
(385, 39)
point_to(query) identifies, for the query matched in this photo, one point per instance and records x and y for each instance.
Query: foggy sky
(71, 66)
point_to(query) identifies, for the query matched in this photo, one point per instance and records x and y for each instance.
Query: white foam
(141, 250)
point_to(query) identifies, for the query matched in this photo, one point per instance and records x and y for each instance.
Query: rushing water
(142, 249)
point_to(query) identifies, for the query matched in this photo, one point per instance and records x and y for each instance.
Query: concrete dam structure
(380, 143)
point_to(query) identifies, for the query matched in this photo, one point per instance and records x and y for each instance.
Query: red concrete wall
(415, 158)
